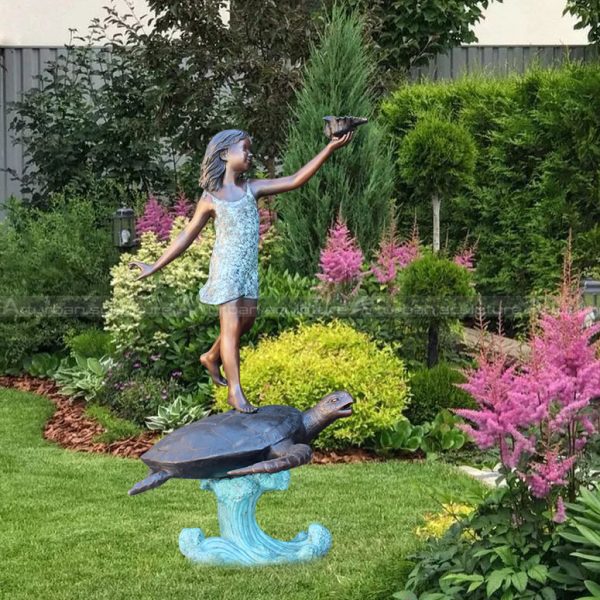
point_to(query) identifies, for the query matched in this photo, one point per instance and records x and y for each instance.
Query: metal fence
(19, 66)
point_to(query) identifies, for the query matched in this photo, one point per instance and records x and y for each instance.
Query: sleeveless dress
(233, 268)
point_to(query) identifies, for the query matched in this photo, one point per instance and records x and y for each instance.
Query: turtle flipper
(153, 480)
(293, 456)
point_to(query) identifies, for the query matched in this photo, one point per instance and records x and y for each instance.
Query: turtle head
(330, 408)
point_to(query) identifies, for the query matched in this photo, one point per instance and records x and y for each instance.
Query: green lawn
(69, 530)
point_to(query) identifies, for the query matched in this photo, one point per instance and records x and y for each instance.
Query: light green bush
(300, 366)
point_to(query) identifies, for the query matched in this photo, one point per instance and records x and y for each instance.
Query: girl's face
(239, 156)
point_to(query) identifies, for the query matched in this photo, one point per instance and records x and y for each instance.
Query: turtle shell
(223, 442)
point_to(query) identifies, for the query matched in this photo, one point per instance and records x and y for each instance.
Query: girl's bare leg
(233, 316)
(211, 361)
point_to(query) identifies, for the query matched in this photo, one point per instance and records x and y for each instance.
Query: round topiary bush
(435, 389)
(302, 365)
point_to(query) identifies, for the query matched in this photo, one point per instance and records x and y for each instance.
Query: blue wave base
(242, 542)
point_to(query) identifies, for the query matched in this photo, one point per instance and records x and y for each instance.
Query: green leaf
(538, 573)
(519, 581)
(494, 582)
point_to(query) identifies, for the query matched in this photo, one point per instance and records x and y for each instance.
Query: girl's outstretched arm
(269, 187)
(201, 215)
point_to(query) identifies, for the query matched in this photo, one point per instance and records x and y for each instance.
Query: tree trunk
(436, 222)
(433, 345)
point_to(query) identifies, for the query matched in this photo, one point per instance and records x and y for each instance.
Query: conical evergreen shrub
(357, 181)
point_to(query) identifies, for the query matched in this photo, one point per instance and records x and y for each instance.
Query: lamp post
(124, 228)
(591, 296)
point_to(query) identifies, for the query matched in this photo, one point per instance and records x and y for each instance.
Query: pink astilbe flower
(544, 407)
(560, 514)
(155, 219)
(466, 259)
(553, 472)
(394, 256)
(183, 207)
(341, 259)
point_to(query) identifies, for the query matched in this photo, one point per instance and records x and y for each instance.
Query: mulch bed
(71, 428)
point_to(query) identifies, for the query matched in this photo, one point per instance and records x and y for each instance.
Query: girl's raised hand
(145, 268)
(338, 142)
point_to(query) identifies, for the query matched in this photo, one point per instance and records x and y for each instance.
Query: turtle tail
(153, 480)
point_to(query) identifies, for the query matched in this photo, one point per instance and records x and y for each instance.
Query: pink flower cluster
(341, 259)
(159, 220)
(466, 258)
(394, 256)
(539, 414)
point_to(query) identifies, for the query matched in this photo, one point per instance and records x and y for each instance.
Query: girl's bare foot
(239, 402)
(212, 366)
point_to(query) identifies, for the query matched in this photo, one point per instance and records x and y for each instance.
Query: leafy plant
(42, 364)
(83, 380)
(183, 410)
(440, 435)
(582, 567)
(115, 427)
(435, 389)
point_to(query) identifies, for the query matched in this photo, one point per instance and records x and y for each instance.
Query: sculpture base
(242, 542)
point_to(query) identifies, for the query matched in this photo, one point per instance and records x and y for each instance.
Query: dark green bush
(537, 176)
(54, 274)
(140, 397)
(90, 343)
(433, 390)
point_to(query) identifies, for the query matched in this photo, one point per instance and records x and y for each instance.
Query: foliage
(588, 15)
(92, 118)
(437, 524)
(115, 428)
(90, 343)
(183, 410)
(434, 389)
(141, 396)
(356, 182)
(536, 174)
(54, 267)
(256, 55)
(42, 364)
(440, 435)
(406, 34)
(300, 366)
(582, 532)
(434, 293)
(84, 379)
(493, 553)
(437, 156)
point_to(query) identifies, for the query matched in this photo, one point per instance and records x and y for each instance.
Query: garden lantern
(124, 228)
(591, 297)
(591, 293)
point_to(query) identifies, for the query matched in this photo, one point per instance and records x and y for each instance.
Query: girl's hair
(213, 166)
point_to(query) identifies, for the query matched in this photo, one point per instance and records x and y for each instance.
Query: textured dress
(233, 269)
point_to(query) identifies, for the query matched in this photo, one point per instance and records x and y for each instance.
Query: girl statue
(232, 284)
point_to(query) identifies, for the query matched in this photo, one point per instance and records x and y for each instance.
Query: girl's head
(230, 145)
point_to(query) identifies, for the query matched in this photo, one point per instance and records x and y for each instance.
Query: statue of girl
(232, 284)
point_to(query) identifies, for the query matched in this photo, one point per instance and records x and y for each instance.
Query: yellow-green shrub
(127, 308)
(301, 366)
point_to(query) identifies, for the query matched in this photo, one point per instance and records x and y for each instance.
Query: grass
(69, 530)
(116, 428)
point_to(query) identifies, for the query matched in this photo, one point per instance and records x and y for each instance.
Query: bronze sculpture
(233, 276)
(274, 439)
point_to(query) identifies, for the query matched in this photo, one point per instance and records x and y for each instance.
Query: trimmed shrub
(536, 176)
(301, 366)
(435, 389)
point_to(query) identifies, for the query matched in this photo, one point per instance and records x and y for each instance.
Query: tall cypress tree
(356, 181)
